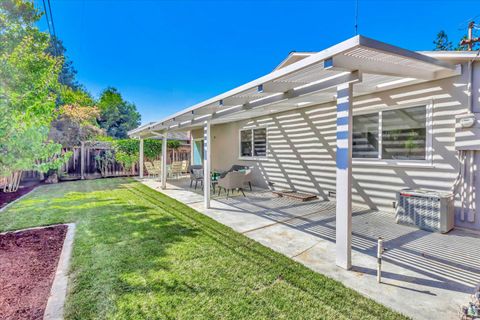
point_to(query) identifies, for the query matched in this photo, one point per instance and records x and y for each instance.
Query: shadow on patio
(446, 261)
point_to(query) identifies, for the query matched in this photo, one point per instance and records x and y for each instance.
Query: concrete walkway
(426, 275)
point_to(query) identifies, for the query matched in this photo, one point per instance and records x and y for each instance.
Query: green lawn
(141, 255)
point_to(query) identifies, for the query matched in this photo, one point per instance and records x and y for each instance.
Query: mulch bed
(28, 262)
(7, 197)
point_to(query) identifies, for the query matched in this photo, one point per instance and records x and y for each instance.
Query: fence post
(82, 160)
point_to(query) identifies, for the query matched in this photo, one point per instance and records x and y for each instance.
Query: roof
(306, 78)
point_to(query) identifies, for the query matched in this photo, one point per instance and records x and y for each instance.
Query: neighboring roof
(378, 65)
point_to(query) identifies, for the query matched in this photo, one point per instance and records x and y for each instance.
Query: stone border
(58, 293)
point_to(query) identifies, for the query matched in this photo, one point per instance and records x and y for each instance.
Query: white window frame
(240, 157)
(427, 162)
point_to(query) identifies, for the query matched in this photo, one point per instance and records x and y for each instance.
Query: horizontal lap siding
(301, 146)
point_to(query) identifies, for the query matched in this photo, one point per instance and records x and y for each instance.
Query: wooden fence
(88, 161)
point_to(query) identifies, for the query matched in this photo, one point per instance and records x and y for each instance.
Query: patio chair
(185, 166)
(157, 164)
(248, 178)
(196, 174)
(246, 169)
(175, 169)
(232, 180)
(151, 170)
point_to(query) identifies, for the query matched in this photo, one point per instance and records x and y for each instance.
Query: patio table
(215, 176)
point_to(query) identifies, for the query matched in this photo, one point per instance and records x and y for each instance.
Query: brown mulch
(28, 262)
(7, 197)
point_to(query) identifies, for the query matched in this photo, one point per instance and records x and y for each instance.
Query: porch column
(191, 148)
(343, 253)
(140, 161)
(206, 164)
(164, 161)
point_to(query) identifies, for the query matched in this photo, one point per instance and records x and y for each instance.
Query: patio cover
(374, 65)
(326, 76)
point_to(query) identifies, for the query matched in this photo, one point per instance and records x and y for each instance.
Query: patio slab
(425, 275)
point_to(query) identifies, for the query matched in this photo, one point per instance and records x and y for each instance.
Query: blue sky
(167, 55)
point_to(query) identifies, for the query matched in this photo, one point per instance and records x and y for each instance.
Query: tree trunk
(13, 182)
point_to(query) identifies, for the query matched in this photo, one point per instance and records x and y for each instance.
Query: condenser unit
(427, 209)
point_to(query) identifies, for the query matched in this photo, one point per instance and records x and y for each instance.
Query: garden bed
(28, 263)
(8, 197)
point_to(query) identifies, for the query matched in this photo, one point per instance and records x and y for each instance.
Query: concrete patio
(425, 275)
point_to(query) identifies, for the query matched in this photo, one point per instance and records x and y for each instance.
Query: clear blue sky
(167, 55)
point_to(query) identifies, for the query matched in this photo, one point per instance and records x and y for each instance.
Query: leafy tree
(68, 73)
(75, 124)
(442, 42)
(28, 82)
(117, 116)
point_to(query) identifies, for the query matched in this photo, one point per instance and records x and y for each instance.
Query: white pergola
(352, 68)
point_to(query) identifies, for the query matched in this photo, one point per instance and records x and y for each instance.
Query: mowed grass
(141, 255)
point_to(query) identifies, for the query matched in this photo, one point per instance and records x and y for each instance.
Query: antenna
(356, 17)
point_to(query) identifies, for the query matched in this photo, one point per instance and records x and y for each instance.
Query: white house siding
(301, 146)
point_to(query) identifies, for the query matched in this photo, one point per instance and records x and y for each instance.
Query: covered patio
(424, 274)
(355, 67)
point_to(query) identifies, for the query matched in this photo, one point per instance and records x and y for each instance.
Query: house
(360, 121)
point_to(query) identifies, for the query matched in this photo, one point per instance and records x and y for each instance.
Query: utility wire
(46, 16)
(356, 17)
(51, 18)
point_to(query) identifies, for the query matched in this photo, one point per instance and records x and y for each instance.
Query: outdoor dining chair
(232, 180)
(196, 174)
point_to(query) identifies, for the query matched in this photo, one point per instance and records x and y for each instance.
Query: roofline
(452, 55)
(346, 45)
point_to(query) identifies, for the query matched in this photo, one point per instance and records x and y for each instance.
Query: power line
(46, 16)
(356, 17)
(51, 18)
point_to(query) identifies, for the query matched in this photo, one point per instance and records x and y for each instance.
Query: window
(365, 136)
(246, 143)
(253, 142)
(402, 134)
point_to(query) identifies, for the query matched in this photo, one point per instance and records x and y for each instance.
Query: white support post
(140, 160)
(343, 253)
(206, 164)
(164, 161)
(82, 160)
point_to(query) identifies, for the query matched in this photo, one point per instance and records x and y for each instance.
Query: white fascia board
(451, 55)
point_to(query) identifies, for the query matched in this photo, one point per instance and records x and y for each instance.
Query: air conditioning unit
(427, 209)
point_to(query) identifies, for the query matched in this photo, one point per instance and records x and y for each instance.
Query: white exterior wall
(301, 145)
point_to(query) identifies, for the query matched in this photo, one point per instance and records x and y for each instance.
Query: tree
(117, 116)
(68, 73)
(28, 82)
(75, 124)
(442, 42)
